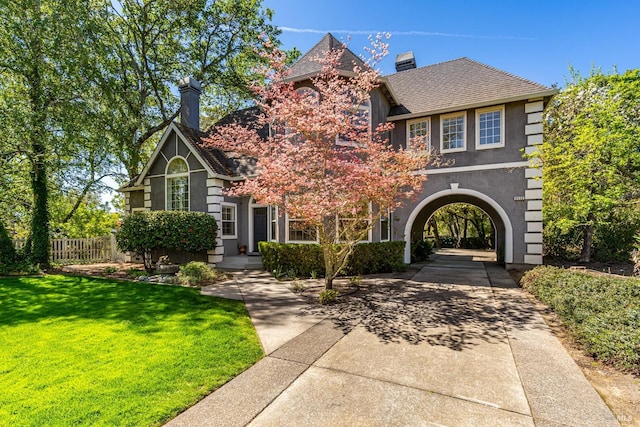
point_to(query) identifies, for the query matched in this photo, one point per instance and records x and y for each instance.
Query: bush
(372, 258)
(195, 272)
(420, 250)
(328, 296)
(307, 260)
(601, 312)
(142, 232)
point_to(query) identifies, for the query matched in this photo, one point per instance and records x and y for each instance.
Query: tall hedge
(601, 311)
(142, 232)
(305, 260)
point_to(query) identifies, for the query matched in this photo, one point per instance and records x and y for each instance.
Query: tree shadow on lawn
(399, 311)
(138, 305)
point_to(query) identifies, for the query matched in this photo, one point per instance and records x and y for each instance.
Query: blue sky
(537, 40)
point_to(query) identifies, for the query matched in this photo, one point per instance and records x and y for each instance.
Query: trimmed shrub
(195, 272)
(601, 312)
(142, 232)
(328, 296)
(371, 258)
(307, 260)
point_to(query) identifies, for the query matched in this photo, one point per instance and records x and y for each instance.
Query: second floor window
(419, 132)
(490, 128)
(452, 131)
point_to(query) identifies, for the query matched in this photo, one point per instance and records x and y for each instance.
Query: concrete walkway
(457, 345)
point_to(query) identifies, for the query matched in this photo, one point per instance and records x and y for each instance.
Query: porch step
(240, 262)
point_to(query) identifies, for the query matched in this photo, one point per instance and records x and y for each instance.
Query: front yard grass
(88, 351)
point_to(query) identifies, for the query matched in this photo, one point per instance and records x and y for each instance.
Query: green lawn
(86, 351)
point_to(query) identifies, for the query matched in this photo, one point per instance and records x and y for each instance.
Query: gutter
(530, 96)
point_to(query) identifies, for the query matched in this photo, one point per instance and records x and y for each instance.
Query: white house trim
(158, 150)
(508, 229)
(475, 105)
(251, 205)
(508, 165)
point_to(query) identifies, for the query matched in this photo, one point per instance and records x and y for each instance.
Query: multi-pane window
(385, 227)
(490, 127)
(299, 231)
(177, 181)
(228, 225)
(419, 133)
(452, 131)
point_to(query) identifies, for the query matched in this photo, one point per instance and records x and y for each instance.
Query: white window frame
(464, 132)
(287, 228)
(235, 220)
(168, 177)
(427, 120)
(480, 111)
(273, 223)
(388, 217)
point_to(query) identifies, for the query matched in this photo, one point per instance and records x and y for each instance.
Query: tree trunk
(40, 248)
(587, 239)
(40, 219)
(436, 234)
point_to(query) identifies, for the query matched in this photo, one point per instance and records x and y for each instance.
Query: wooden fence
(88, 250)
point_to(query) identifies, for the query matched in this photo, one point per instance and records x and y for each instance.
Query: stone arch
(423, 211)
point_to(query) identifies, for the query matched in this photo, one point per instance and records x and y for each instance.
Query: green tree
(591, 158)
(151, 45)
(467, 225)
(44, 64)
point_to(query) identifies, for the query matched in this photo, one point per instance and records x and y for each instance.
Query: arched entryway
(423, 211)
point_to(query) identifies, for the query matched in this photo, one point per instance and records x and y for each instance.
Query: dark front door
(259, 227)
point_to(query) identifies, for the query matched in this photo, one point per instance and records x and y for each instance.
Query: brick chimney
(190, 102)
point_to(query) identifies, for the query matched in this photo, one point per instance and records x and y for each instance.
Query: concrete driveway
(458, 344)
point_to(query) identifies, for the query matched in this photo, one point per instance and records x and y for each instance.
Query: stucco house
(480, 119)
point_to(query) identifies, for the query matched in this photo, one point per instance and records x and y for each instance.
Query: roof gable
(456, 84)
(308, 64)
(216, 162)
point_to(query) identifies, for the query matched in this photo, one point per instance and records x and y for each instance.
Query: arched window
(177, 181)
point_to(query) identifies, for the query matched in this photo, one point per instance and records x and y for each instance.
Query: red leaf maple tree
(322, 163)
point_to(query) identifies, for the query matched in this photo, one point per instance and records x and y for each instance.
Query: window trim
(464, 132)
(272, 212)
(480, 111)
(287, 237)
(388, 217)
(168, 176)
(235, 220)
(419, 120)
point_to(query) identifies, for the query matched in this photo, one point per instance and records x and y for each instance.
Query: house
(480, 119)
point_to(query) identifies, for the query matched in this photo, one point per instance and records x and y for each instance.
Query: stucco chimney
(190, 102)
(405, 61)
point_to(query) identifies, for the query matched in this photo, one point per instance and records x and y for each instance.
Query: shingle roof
(457, 83)
(220, 162)
(308, 64)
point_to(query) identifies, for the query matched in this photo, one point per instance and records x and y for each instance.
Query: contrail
(401, 33)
